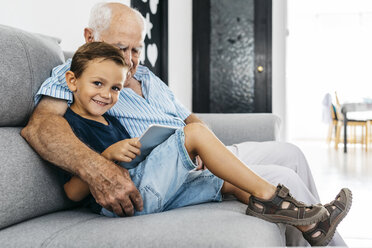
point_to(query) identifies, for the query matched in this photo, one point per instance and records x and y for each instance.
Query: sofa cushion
(237, 128)
(26, 61)
(29, 186)
(206, 225)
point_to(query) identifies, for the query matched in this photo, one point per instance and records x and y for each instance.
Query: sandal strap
(334, 203)
(287, 197)
(308, 235)
(282, 195)
(283, 192)
(329, 208)
(301, 213)
(339, 205)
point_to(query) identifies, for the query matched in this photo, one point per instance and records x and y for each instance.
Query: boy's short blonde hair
(95, 50)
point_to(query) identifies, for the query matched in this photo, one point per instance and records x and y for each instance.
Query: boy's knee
(194, 134)
(194, 129)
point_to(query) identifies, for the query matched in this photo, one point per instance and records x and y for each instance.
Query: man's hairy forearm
(53, 139)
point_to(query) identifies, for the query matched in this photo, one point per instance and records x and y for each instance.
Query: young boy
(167, 178)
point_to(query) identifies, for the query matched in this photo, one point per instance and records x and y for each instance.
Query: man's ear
(71, 80)
(88, 35)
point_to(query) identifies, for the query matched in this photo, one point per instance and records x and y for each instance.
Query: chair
(333, 124)
(352, 123)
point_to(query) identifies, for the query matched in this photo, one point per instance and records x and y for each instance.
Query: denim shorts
(167, 179)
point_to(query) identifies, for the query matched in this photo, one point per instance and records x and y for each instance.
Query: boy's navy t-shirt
(98, 137)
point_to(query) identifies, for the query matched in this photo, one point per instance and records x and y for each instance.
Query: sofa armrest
(237, 128)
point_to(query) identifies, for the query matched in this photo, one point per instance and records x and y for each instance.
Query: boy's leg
(199, 140)
(222, 163)
(165, 177)
(294, 237)
(278, 174)
(162, 173)
(260, 154)
(200, 187)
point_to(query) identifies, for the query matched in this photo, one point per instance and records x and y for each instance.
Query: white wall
(329, 49)
(64, 19)
(279, 33)
(67, 19)
(180, 49)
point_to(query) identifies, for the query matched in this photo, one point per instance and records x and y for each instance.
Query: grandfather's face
(129, 39)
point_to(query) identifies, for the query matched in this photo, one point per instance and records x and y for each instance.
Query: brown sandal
(297, 213)
(337, 209)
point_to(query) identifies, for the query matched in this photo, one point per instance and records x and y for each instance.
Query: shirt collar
(141, 72)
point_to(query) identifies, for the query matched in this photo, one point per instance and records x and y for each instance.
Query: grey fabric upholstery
(28, 185)
(252, 127)
(207, 225)
(34, 210)
(68, 54)
(26, 61)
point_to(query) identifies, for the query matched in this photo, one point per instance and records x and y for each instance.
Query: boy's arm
(76, 189)
(52, 137)
(125, 150)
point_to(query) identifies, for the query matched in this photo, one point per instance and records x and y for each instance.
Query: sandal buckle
(283, 192)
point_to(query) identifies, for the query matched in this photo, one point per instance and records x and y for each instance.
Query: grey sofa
(34, 211)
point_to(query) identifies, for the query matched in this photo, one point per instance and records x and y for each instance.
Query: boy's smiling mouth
(100, 103)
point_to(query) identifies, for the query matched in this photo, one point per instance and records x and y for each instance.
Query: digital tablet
(153, 136)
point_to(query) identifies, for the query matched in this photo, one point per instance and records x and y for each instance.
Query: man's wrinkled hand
(114, 190)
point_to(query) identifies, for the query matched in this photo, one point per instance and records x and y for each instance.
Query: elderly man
(143, 101)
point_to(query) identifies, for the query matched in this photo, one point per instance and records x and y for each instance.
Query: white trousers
(284, 163)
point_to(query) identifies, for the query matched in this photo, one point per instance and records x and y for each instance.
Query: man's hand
(123, 151)
(52, 138)
(116, 192)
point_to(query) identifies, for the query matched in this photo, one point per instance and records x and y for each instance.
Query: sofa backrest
(26, 61)
(28, 185)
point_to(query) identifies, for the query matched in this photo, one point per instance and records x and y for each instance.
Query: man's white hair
(100, 19)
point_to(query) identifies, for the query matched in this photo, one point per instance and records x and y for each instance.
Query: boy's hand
(123, 151)
(199, 164)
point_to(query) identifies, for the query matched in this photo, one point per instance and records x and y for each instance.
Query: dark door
(232, 56)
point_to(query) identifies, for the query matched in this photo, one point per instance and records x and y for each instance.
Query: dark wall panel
(155, 52)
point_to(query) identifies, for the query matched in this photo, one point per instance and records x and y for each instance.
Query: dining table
(353, 107)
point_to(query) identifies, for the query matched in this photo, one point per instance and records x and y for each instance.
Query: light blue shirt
(135, 113)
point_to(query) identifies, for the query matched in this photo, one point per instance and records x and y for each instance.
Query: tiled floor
(333, 170)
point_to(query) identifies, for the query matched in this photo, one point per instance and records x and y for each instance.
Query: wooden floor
(333, 170)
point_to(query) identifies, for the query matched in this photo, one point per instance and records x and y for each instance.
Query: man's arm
(52, 137)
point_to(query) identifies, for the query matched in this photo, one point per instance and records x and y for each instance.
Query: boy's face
(98, 88)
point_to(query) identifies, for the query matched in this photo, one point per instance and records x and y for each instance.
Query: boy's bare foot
(322, 233)
(283, 208)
